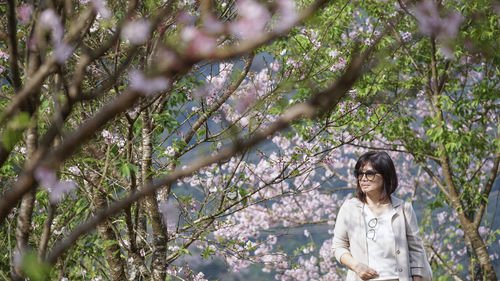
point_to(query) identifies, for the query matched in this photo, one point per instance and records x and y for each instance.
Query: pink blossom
(462, 251)
(245, 101)
(2, 69)
(333, 53)
(136, 32)
(12, 214)
(406, 36)
(110, 138)
(313, 37)
(49, 19)
(74, 170)
(253, 18)
(275, 66)
(483, 231)
(213, 25)
(48, 181)
(24, 12)
(57, 192)
(45, 176)
(170, 151)
(441, 217)
(107, 136)
(101, 9)
(288, 14)
(168, 57)
(428, 18)
(4, 55)
(431, 24)
(451, 25)
(339, 65)
(216, 119)
(199, 277)
(185, 18)
(147, 86)
(198, 42)
(32, 42)
(63, 52)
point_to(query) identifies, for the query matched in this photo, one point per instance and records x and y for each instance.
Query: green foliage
(389, 106)
(208, 252)
(34, 269)
(127, 168)
(15, 128)
(243, 193)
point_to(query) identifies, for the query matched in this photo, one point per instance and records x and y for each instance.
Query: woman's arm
(340, 242)
(362, 270)
(341, 246)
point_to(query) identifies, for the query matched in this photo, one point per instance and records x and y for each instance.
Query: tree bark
(112, 251)
(158, 264)
(25, 216)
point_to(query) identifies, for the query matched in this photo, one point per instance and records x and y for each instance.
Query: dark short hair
(382, 163)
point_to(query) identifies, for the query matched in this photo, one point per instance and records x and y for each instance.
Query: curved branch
(486, 192)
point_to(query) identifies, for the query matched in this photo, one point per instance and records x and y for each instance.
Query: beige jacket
(350, 237)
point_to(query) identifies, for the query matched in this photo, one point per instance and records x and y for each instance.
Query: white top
(381, 243)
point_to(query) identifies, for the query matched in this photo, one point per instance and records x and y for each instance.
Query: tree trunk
(470, 228)
(158, 264)
(112, 251)
(25, 216)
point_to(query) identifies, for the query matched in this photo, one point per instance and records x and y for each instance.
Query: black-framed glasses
(370, 234)
(370, 174)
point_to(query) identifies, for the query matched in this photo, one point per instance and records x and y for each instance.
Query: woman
(370, 235)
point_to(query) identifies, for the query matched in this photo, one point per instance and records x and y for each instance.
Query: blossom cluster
(51, 21)
(112, 138)
(4, 57)
(56, 188)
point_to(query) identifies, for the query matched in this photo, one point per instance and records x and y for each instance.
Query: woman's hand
(365, 272)
(417, 278)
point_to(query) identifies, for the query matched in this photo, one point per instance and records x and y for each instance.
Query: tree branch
(485, 194)
(12, 42)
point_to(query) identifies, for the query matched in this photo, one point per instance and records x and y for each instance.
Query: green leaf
(243, 192)
(35, 270)
(15, 129)
(126, 169)
(108, 243)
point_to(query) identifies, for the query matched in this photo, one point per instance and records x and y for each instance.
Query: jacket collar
(396, 201)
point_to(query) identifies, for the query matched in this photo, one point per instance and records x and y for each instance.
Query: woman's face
(375, 185)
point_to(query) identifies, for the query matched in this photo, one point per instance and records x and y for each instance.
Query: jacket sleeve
(340, 244)
(415, 245)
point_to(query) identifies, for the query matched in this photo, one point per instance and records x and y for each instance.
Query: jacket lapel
(358, 208)
(398, 220)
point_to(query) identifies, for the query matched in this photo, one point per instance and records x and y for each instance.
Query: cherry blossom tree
(138, 134)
